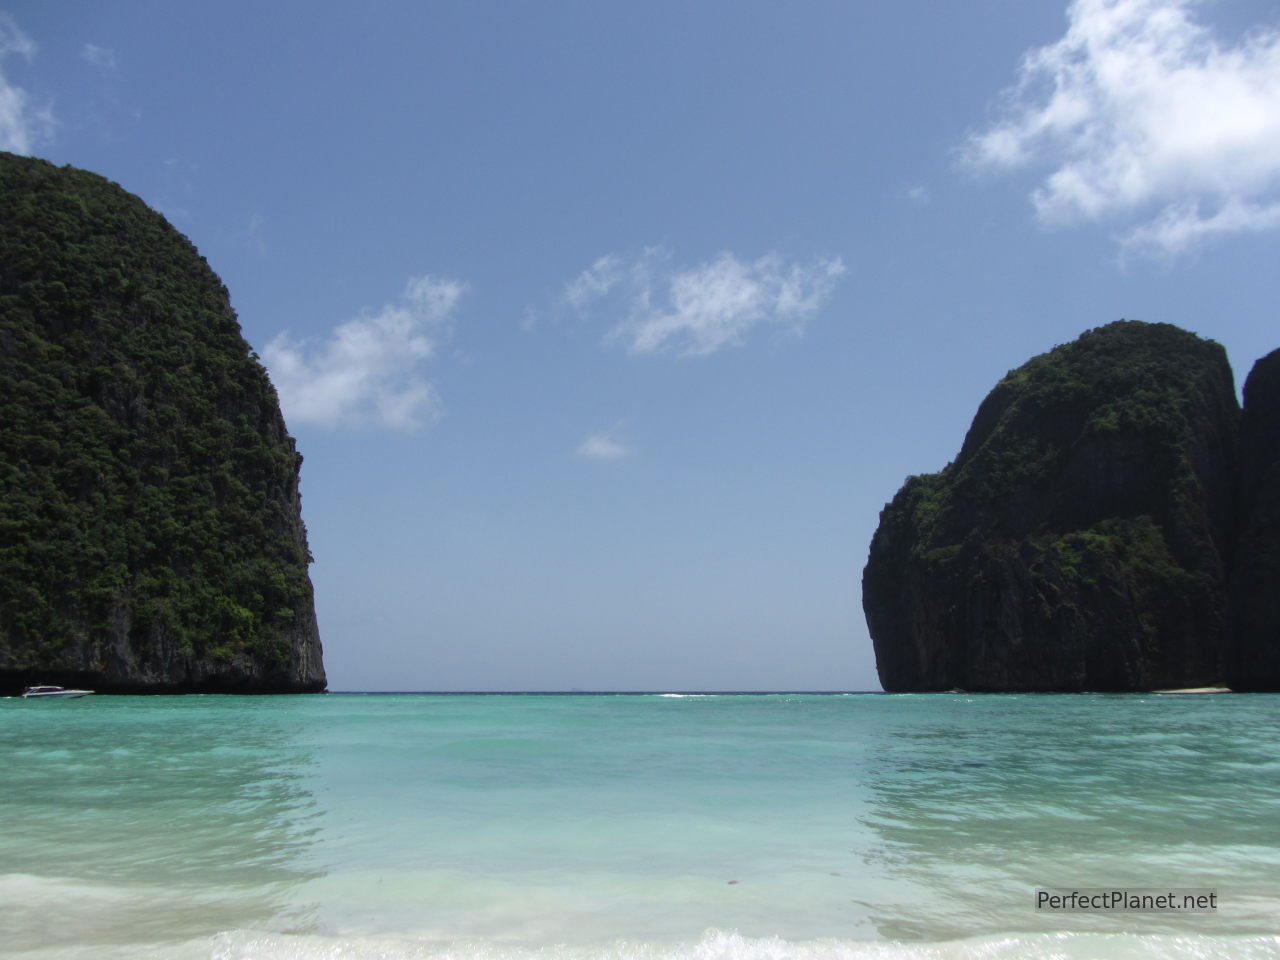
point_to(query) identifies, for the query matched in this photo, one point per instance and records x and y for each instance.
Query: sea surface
(634, 827)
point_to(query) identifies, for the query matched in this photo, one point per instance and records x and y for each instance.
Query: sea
(639, 826)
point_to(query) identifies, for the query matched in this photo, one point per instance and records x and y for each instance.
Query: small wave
(720, 945)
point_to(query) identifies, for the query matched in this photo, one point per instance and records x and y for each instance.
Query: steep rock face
(150, 531)
(1254, 660)
(1080, 539)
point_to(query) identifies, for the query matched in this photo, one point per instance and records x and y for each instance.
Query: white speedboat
(47, 692)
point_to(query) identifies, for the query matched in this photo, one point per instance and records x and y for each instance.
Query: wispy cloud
(698, 310)
(253, 235)
(917, 195)
(103, 57)
(605, 445)
(368, 372)
(1146, 117)
(1182, 227)
(598, 279)
(23, 125)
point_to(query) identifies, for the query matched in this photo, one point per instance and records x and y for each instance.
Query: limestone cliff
(150, 532)
(1254, 660)
(1082, 538)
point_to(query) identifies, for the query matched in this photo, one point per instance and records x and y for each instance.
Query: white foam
(714, 945)
(720, 945)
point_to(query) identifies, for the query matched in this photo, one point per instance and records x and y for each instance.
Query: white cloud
(368, 372)
(917, 195)
(23, 126)
(103, 57)
(1145, 117)
(12, 39)
(596, 281)
(698, 311)
(1181, 227)
(604, 446)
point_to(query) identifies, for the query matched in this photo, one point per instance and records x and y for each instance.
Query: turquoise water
(634, 826)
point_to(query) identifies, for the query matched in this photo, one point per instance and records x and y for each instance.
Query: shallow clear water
(634, 826)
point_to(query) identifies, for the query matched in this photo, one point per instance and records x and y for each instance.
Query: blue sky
(607, 329)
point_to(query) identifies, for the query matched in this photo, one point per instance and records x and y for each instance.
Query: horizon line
(602, 693)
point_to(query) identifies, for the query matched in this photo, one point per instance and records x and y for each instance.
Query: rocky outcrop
(1254, 658)
(1082, 539)
(150, 531)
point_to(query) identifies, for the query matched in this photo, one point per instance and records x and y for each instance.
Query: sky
(607, 329)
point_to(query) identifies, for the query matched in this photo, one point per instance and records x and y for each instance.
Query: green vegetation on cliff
(150, 535)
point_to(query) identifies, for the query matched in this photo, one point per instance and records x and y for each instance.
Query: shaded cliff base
(13, 682)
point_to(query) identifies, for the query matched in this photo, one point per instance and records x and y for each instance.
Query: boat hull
(58, 694)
